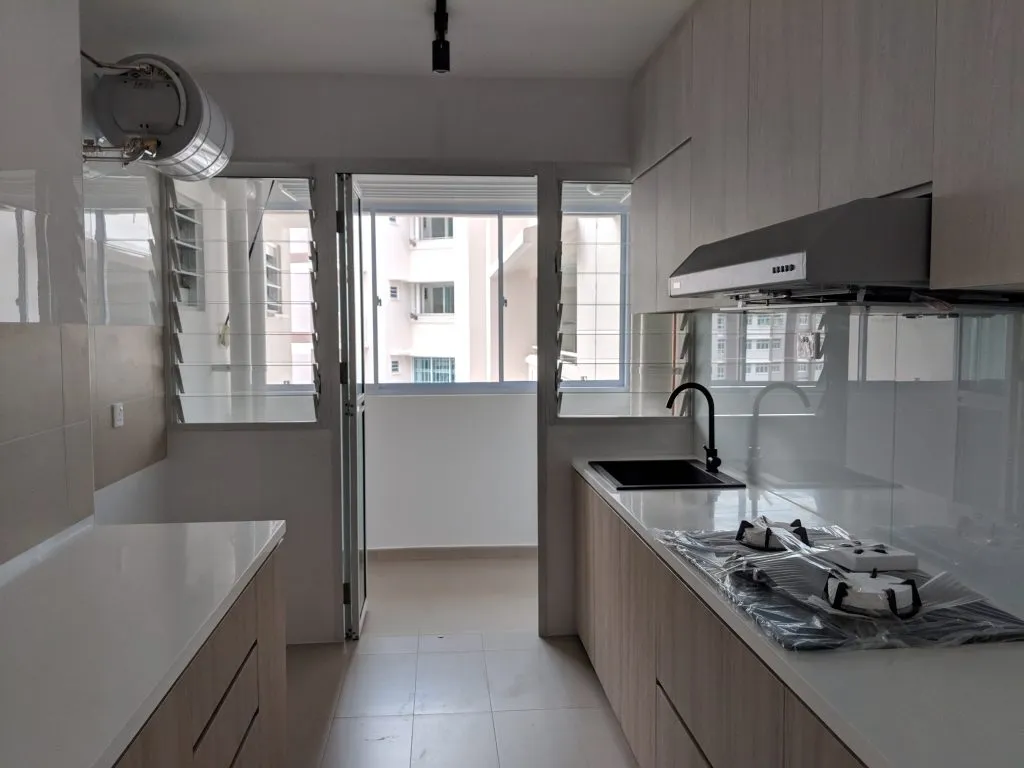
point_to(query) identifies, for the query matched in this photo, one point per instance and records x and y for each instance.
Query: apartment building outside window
(433, 227)
(437, 299)
(433, 370)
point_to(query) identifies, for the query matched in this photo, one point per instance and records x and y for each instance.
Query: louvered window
(242, 269)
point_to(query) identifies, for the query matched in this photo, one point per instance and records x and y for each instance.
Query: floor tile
(554, 675)
(454, 643)
(315, 677)
(378, 685)
(454, 741)
(382, 644)
(562, 738)
(369, 742)
(523, 640)
(448, 683)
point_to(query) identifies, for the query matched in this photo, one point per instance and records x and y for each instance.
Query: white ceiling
(489, 38)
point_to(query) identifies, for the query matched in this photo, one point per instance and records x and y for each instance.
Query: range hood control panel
(775, 270)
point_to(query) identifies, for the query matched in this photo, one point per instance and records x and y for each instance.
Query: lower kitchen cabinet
(227, 710)
(675, 747)
(731, 702)
(687, 692)
(615, 610)
(809, 744)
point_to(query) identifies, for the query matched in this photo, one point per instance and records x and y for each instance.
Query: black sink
(662, 474)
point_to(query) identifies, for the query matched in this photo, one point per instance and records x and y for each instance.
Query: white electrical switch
(117, 414)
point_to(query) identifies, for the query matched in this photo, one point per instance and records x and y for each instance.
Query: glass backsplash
(904, 426)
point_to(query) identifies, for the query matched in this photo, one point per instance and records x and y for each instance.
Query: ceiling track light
(442, 59)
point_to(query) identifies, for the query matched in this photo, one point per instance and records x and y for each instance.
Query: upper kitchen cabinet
(660, 100)
(643, 237)
(718, 116)
(784, 120)
(878, 105)
(673, 225)
(978, 182)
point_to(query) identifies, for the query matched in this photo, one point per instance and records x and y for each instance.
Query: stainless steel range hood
(871, 246)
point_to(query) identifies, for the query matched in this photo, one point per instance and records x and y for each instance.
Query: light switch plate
(117, 415)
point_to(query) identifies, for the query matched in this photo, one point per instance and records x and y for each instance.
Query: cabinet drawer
(716, 683)
(218, 661)
(675, 748)
(251, 753)
(219, 744)
(809, 743)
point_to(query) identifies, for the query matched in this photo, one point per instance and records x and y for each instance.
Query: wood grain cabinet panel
(643, 254)
(584, 563)
(226, 731)
(165, 740)
(718, 119)
(637, 709)
(978, 183)
(273, 681)
(809, 744)
(608, 608)
(673, 225)
(676, 748)
(715, 682)
(784, 110)
(220, 658)
(878, 97)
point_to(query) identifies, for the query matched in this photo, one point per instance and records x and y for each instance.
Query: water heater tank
(164, 102)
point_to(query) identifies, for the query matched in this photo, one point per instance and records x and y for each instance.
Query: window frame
(502, 386)
(195, 246)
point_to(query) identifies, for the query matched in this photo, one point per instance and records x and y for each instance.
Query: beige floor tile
(452, 643)
(454, 741)
(452, 596)
(315, 677)
(562, 738)
(384, 644)
(552, 676)
(369, 742)
(450, 683)
(523, 640)
(379, 685)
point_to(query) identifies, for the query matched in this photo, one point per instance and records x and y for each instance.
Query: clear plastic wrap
(785, 593)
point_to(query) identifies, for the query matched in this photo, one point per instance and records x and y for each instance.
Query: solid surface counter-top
(893, 708)
(94, 635)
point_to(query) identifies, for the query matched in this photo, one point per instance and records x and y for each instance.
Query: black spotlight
(441, 51)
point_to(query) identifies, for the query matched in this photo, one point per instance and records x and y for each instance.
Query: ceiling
(489, 38)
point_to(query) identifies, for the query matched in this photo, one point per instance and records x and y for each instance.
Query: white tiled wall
(915, 433)
(46, 464)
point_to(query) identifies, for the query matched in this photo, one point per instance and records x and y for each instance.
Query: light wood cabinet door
(978, 183)
(676, 749)
(878, 97)
(785, 110)
(715, 682)
(637, 569)
(608, 613)
(642, 123)
(643, 255)
(719, 92)
(273, 676)
(673, 223)
(165, 741)
(809, 744)
(584, 563)
(673, 74)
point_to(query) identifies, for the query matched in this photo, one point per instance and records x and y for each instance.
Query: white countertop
(94, 635)
(894, 708)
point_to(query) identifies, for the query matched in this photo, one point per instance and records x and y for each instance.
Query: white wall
(287, 117)
(138, 498)
(275, 474)
(451, 470)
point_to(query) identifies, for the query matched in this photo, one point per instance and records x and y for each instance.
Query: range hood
(870, 248)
